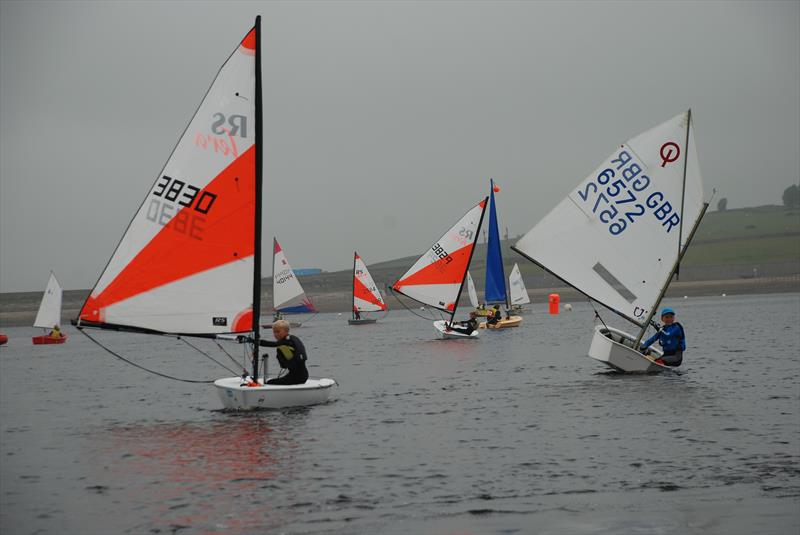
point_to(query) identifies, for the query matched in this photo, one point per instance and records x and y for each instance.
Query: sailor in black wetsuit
(465, 327)
(291, 355)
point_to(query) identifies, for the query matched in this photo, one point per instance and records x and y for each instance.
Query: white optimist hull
(448, 334)
(235, 395)
(618, 352)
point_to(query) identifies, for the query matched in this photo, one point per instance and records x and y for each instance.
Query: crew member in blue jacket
(671, 338)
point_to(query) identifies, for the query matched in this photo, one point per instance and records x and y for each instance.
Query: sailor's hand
(243, 338)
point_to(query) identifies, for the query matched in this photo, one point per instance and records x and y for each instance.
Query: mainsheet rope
(411, 310)
(148, 370)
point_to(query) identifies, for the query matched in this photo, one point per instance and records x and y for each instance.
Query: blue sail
(495, 276)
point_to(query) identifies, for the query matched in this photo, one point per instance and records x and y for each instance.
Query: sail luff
(258, 206)
(495, 288)
(466, 269)
(683, 191)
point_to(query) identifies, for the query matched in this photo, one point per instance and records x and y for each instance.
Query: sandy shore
(20, 309)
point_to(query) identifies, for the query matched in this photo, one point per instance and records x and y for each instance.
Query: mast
(353, 308)
(669, 279)
(259, 178)
(469, 261)
(683, 191)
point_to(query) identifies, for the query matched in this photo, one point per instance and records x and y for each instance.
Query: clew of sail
(615, 237)
(186, 262)
(473, 295)
(495, 289)
(437, 276)
(49, 314)
(288, 295)
(366, 296)
(519, 294)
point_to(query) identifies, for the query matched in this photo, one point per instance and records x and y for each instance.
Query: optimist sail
(49, 314)
(516, 286)
(495, 290)
(186, 264)
(366, 296)
(473, 295)
(437, 277)
(287, 294)
(617, 236)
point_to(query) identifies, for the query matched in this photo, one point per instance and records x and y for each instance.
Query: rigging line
(597, 314)
(188, 343)
(311, 318)
(120, 357)
(229, 355)
(411, 310)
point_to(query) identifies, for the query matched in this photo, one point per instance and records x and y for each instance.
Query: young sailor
(494, 315)
(671, 338)
(465, 327)
(291, 354)
(56, 332)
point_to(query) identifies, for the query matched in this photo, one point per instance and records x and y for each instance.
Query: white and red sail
(437, 277)
(366, 296)
(186, 261)
(287, 294)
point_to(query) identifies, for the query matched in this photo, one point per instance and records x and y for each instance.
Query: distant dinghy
(288, 296)
(517, 290)
(495, 289)
(620, 235)
(49, 314)
(366, 295)
(189, 263)
(437, 278)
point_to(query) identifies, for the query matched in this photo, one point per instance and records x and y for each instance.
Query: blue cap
(667, 310)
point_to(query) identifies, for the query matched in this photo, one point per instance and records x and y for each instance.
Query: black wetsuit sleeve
(268, 343)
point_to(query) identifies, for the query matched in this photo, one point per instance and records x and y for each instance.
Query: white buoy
(339, 314)
(724, 295)
(686, 297)
(567, 307)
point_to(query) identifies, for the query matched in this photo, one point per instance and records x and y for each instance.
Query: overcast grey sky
(383, 120)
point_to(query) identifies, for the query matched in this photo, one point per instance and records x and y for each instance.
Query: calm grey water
(518, 432)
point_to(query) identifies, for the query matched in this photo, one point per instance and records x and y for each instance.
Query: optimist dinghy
(437, 278)
(495, 289)
(49, 314)
(620, 235)
(189, 263)
(366, 295)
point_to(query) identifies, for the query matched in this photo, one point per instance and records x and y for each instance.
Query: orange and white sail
(366, 296)
(186, 261)
(437, 277)
(287, 294)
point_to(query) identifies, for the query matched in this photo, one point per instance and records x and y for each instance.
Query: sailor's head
(667, 315)
(280, 329)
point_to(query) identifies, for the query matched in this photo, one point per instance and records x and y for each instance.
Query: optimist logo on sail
(614, 194)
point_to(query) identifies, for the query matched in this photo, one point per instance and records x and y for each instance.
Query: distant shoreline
(20, 309)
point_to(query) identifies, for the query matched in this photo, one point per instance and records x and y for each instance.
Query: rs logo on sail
(224, 141)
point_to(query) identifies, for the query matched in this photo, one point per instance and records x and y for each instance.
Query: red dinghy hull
(46, 339)
(3, 339)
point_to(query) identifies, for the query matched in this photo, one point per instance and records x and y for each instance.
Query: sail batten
(617, 235)
(186, 261)
(437, 277)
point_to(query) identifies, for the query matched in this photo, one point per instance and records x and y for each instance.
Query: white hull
(234, 395)
(618, 353)
(447, 334)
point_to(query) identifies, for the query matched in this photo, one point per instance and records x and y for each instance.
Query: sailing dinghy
(621, 234)
(288, 296)
(189, 263)
(495, 289)
(517, 290)
(49, 314)
(437, 278)
(366, 295)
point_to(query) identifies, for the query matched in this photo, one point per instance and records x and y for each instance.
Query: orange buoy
(554, 301)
